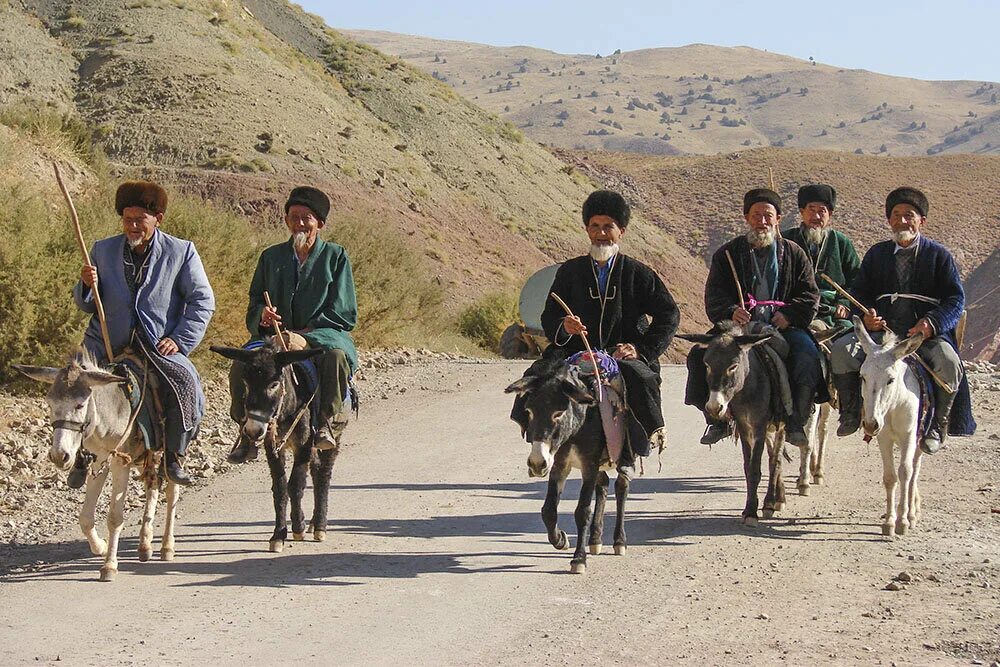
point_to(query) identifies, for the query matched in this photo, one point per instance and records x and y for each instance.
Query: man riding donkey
(623, 308)
(780, 292)
(313, 303)
(910, 285)
(158, 303)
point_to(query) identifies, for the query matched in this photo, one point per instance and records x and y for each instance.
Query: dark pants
(176, 439)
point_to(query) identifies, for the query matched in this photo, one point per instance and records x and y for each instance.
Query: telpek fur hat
(761, 195)
(818, 192)
(911, 196)
(311, 198)
(606, 202)
(144, 194)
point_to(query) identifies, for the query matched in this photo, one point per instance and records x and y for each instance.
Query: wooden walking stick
(98, 306)
(860, 306)
(277, 327)
(736, 278)
(770, 177)
(586, 344)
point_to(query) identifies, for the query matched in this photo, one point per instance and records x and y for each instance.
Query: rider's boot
(78, 474)
(243, 451)
(849, 396)
(802, 409)
(933, 440)
(716, 430)
(174, 470)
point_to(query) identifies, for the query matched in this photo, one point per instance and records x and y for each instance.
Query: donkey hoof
(145, 554)
(768, 513)
(166, 554)
(887, 530)
(595, 549)
(902, 527)
(578, 568)
(803, 489)
(750, 521)
(620, 549)
(563, 542)
(298, 537)
(779, 506)
(276, 546)
(99, 548)
(319, 536)
(818, 480)
(108, 573)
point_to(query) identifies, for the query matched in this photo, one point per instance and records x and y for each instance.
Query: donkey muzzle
(871, 428)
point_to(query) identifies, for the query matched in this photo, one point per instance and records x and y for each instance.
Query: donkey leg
(550, 508)
(116, 516)
(321, 472)
(170, 512)
(88, 524)
(906, 457)
(584, 515)
(819, 450)
(889, 482)
(621, 493)
(279, 494)
(148, 516)
(805, 458)
(597, 524)
(775, 447)
(914, 510)
(753, 449)
(297, 488)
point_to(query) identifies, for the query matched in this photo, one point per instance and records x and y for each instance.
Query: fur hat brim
(606, 202)
(818, 192)
(144, 194)
(312, 198)
(758, 195)
(911, 196)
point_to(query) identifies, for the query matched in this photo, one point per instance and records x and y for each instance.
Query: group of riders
(158, 303)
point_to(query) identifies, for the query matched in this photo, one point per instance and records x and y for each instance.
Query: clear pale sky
(923, 39)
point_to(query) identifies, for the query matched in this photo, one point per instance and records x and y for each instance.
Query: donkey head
(267, 382)
(556, 402)
(882, 374)
(70, 402)
(727, 364)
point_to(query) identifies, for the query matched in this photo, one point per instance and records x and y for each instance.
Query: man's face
(762, 216)
(138, 225)
(603, 230)
(905, 223)
(815, 215)
(301, 220)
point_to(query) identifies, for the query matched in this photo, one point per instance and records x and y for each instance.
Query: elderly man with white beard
(313, 301)
(910, 284)
(831, 252)
(778, 274)
(623, 308)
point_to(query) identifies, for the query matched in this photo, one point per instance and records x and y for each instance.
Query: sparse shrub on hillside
(56, 130)
(485, 320)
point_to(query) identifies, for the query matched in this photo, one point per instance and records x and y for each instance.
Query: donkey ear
(867, 344)
(98, 378)
(907, 346)
(522, 386)
(292, 356)
(578, 392)
(697, 339)
(832, 333)
(44, 374)
(746, 341)
(234, 353)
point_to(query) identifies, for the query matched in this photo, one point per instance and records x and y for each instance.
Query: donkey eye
(731, 369)
(79, 406)
(890, 381)
(557, 415)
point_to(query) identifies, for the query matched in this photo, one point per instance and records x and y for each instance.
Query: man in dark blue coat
(910, 284)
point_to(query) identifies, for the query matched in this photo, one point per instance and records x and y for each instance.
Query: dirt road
(436, 554)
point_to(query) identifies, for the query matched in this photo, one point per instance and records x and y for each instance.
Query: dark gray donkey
(277, 410)
(739, 382)
(563, 424)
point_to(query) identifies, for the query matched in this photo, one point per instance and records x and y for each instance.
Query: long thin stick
(98, 306)
(277, 327)
(736, 277)
(770, 177)
(586, 344)
(857, 304)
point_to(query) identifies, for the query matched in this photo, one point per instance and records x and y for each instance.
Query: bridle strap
(70, 425)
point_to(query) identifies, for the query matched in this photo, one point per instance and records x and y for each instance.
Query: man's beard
(301, 240)
(814, 235)
(602, 253)
(761, 238)
(904, 236)
(134, 243)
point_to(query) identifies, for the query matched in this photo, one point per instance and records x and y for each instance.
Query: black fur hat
(911, 196)
(818, 192)
(144, 194)
(311, 198)
(605, 202)
(761, 195)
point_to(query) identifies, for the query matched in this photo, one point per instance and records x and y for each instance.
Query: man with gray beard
(778, 274)
(313, 301)
(830, 250)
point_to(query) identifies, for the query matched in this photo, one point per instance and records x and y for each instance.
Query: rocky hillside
(982, 337)
(706, 99)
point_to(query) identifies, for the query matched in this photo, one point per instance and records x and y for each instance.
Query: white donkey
(890, 393)
(89, 409)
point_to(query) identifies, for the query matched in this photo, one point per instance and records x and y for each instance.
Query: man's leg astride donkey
(804, 375)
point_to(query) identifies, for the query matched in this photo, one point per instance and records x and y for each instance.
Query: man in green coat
(831, 252)
(313, 301)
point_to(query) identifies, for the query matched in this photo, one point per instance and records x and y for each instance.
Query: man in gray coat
(158, 303)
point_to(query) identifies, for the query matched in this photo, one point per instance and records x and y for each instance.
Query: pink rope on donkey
(753, 303)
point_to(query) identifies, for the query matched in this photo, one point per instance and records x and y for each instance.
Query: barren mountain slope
(982, 291)
(707, 99)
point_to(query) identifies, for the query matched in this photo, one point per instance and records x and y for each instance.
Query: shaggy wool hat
(144, 194)
(312, 198)
(761, 195)
(605, 202)
(818, 192)
(911, 196)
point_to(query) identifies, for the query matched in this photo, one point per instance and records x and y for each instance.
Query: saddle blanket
(612, 403)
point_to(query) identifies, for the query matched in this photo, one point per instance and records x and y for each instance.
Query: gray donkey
(277, 408)
(739, 383)
(563, 425)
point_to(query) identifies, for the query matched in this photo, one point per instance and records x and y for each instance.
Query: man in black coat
(775, 271)
(621, 305)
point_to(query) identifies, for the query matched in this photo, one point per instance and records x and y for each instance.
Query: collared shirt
(913, 246)
(603, 273)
